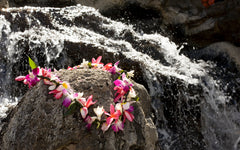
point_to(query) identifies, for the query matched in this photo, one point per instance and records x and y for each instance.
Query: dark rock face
(38, 122)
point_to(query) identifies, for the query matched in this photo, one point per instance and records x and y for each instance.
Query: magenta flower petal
(34, 81)
(88, 126)
(126, 88)
(111, 109)
(118, 125)
(129, 116)
(112, 70)
(131, 109)
(64, 91)
(109, 120)
(67, 101)
(58, 95)
(115, 128)
(20, 78)
(75, 95)
(89, 121)
(124, 76)
(93, 60)
(118, 82)
(35, 71)
(89, 101)
(117, 98)
(28, 77)
(116, 63)
(105, 126)
(99, 59)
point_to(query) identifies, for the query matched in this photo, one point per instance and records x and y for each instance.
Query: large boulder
(38, 121)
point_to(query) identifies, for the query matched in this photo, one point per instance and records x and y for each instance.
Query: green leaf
(71, 109)
(137, 99)
(32, 63)
(98, 124)
(90, 65)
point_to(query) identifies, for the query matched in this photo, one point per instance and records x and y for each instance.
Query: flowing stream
(192, 106)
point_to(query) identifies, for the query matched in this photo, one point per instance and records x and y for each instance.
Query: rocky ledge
(38, 121)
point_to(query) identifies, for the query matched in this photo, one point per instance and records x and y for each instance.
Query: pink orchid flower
(29, 79)
(46, 73)
(115, 68)
(113, 115)
(36, 71)
(127, 108)
(67, 102)
(118, 125)
(105, 127)
(107, 66)
(71, 68)
(77, 95)
(120, 92)
(20, 78)
(60, 90)
(89, 120)
(122, 87)
(86, 105)
(32, 80)
(97, 63)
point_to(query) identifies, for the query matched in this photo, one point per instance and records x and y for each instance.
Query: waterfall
(190, 106)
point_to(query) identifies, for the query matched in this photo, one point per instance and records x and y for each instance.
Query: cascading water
(190, 108)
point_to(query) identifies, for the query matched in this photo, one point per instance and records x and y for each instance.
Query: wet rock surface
(38, 121)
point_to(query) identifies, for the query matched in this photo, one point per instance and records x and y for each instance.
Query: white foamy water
(220, 122)
(5, 104)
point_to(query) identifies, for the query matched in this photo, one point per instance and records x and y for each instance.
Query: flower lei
(124, 95)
